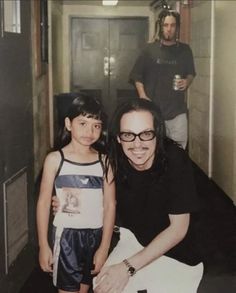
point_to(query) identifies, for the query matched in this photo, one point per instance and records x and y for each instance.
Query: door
(103, 53)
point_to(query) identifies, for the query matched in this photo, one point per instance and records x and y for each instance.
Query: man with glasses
(163, 73)
(155, 197)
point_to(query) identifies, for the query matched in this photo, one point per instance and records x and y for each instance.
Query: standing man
(154, 75)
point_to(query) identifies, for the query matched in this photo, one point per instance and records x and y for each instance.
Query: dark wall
(16, 115)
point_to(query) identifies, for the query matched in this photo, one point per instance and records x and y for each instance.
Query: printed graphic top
(79, 187)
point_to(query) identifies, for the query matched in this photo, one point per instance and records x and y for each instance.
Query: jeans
(177, 129)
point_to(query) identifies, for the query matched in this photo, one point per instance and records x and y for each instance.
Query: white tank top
(79, 188)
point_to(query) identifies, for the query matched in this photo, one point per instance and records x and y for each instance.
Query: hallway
(216, 237)
(36, 67)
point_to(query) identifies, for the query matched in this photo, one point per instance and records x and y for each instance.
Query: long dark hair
(90, 107)
(116, 158)
(161, 18)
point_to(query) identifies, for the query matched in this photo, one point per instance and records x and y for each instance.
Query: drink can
(175, 84)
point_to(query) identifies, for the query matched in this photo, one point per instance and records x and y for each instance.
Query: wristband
(130, 269)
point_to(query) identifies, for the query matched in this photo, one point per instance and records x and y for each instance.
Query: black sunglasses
(143, 136)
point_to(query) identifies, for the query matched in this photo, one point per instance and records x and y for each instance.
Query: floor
(217, 237)
(217, 241)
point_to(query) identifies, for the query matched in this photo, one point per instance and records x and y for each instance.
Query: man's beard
(169, 38)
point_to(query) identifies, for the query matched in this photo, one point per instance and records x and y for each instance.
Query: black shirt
(146, 199)
(156, 67)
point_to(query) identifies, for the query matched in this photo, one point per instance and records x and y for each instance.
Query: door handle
(112, 65)
(106, 66)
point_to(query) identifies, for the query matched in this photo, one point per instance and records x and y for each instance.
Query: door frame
(111, 27)
(96, 17)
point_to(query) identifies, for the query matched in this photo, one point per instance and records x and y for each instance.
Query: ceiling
(145, 3)
(99, 2)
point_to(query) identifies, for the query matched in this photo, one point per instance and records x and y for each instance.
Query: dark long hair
(161, 18)
(116, 158)
(90, 107)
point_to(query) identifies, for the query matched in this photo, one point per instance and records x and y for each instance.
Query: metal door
(103, 53)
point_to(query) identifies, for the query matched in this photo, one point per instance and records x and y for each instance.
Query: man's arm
(189, 79)
(116, 276)
(141, 91)
(189, 69)
(136, 76)
(163, 242)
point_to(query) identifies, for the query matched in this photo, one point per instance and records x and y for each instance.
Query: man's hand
(182, 84)
(112, 279)
(145, 98)
(55, 204)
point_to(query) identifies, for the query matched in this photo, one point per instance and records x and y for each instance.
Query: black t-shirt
(147, 198)
(156, 67)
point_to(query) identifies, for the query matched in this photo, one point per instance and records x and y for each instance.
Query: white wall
(224, 141)
(199, 92)
(212, 143)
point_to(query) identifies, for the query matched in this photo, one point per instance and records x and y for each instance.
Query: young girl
(83, 226)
